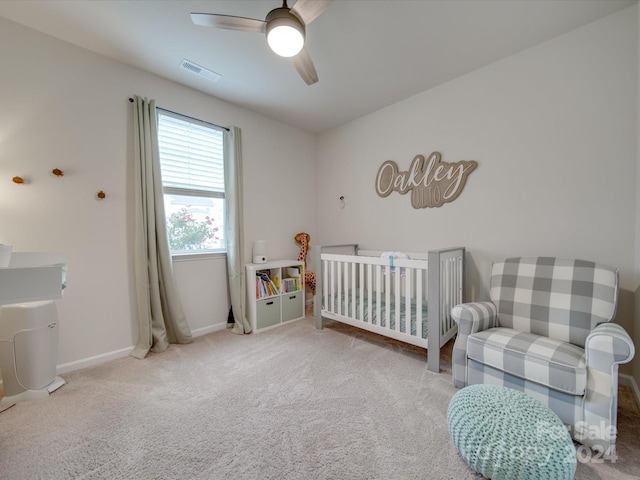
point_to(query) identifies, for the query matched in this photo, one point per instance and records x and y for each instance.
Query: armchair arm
(474, 317)
(471, 318)
(607, 346)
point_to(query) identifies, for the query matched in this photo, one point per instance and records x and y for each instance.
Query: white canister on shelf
(260, 251)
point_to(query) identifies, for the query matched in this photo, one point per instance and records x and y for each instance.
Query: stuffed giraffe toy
(303, 239)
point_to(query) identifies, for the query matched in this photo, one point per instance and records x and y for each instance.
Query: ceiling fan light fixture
(285, 32)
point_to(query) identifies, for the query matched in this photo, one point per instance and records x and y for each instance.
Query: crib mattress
(346, 309)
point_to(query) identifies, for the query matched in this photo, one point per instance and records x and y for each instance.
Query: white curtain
(161, 320)
(234, 225)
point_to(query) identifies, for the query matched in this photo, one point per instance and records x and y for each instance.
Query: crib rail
(447, 270)
(396, 300)
(369, 290)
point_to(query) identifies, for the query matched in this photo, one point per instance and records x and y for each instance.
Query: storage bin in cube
(29, 350)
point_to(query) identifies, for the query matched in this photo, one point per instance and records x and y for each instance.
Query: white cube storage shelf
(275, 293)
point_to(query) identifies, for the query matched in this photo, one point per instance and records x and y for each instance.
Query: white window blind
(191, 156)
(192, 166)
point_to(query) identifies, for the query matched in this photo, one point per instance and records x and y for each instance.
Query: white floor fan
(284, 27)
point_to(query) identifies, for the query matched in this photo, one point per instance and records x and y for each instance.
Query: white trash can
(29, 350)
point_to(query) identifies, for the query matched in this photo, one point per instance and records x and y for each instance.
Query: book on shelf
(289, 285)
(265, 286)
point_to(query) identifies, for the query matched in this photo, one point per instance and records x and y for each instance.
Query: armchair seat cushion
(555, 364)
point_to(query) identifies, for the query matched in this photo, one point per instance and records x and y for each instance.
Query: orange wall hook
(57, 172)
(18, 180)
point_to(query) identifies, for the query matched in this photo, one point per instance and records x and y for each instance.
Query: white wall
(554, 132)
(65, 107)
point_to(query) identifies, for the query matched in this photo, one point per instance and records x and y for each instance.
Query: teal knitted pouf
(505, 434)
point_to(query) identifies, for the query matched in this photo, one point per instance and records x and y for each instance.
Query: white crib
(404, 299)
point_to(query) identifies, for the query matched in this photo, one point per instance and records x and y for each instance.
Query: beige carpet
(289, 403)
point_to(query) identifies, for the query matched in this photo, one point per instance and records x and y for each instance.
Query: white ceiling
(368, 53)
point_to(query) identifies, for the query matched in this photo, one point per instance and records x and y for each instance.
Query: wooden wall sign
(431, 181)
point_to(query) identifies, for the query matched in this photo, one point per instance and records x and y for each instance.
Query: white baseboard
(123, 352)
(629, 381)
(91, 361)
(210, 329)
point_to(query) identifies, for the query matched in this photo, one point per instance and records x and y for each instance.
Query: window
(192, 164)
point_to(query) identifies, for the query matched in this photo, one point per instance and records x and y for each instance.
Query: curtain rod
(187, 116)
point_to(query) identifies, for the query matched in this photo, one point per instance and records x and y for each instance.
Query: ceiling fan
(285, 29)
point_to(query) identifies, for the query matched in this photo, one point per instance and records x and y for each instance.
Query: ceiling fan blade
(308, 10)
(304, 67)
(229, 22)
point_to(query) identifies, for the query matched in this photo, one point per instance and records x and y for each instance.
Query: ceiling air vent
(197, 69)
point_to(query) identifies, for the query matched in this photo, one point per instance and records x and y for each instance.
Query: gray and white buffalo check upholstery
(546, 332)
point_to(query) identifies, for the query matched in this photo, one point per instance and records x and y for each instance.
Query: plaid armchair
(546, 332)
